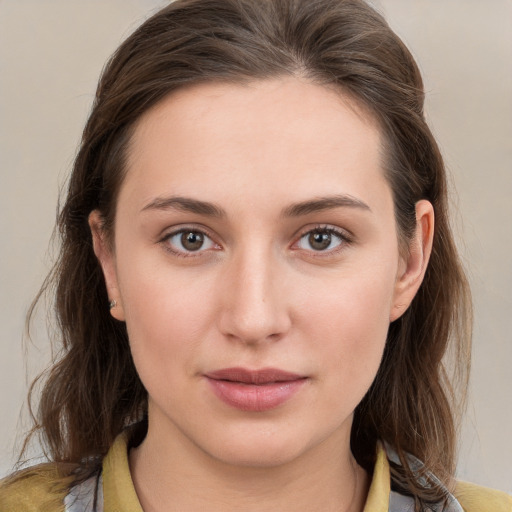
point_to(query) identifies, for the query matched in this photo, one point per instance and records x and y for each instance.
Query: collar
(119, 491)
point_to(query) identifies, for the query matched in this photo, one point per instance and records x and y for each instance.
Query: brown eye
(322, 240)
(187, 241)
(192, 240)
(319, 240)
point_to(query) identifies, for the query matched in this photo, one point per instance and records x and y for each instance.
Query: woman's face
(256, 265)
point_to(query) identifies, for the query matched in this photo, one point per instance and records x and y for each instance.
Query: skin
(257, 294)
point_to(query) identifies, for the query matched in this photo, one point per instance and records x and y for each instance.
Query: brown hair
(94, 391)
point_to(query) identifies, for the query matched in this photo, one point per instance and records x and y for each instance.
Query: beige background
(51, 53)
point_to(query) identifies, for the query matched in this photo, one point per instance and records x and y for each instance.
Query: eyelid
(345, 236)
(176, 230)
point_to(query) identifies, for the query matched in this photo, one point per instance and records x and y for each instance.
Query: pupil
(192, 241)
(319, 241)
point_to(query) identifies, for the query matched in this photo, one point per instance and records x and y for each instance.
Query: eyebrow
(324, 203)
(187, 204)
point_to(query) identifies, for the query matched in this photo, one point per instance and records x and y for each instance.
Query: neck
(170, 473)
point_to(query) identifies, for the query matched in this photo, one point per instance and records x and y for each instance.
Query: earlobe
(414, 265)
(106, 258)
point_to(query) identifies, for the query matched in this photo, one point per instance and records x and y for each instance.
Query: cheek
(167, 315)
(352, 321)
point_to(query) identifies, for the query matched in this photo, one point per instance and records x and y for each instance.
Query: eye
(187, 241)
(321, 240)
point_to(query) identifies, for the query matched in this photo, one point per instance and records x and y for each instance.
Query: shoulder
(475, 498)
(36, 489)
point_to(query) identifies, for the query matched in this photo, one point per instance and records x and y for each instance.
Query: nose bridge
(253, 306)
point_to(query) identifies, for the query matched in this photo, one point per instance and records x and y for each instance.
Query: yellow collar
(119, 491)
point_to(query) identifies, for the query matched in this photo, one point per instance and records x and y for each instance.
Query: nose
(255, 308)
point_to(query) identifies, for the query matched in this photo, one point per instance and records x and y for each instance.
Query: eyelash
(341, 235)
(165, 241)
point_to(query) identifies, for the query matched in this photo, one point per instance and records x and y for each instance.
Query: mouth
(254, 390)
(261, 377)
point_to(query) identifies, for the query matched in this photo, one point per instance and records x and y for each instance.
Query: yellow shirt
(45, 490)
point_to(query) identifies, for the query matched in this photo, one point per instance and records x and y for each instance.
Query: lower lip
(255, 398)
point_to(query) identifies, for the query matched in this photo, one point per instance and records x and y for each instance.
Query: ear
(106, 257)
(413, 265)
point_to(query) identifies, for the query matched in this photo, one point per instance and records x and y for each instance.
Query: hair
(93, 392)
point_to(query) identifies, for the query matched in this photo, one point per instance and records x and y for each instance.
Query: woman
(257, 281)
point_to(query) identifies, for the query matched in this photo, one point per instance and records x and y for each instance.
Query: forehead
(263, 139)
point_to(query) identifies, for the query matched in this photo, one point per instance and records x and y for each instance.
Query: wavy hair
(93, 391)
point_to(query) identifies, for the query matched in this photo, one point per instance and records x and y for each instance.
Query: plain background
(51, 54)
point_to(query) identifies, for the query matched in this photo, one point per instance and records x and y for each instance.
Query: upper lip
(246, 376)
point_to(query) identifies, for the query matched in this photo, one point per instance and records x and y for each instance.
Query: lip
(254, 390)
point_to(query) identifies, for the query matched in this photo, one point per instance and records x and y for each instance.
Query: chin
(267, 446)
(258, 454)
